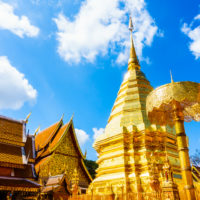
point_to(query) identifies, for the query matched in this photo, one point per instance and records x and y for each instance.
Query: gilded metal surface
(184, 158)
(175, 103)
(129, 139)
(160, 102)
(65, 158)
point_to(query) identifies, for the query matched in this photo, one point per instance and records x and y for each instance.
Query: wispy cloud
(97, 132)
(82, 136)
(101, 25)
(20, 26)
(193, 32)
(14, 87)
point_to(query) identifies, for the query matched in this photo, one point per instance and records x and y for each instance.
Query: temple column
(183, 152)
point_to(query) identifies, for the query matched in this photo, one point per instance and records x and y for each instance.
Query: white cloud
(193, 32)
(97, 132)
(14, 87)
(18, 25)
(197, 17)
(82, 136)
(101, 25)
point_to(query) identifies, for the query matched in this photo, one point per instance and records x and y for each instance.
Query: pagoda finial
(172, 81)
(133, 61)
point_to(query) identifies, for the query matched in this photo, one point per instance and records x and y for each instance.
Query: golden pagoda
(129, 142)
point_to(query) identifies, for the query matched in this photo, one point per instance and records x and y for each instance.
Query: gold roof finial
(72, 116)
(26, 120)
(133, 61)
(62, 116)
(37, 130)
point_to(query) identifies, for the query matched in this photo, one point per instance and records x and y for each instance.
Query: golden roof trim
(25, 189)
(86, 170)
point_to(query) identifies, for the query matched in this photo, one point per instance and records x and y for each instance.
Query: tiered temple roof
(12, 139)
(58, 152)
(12, 131)
(17, 154)
(18, 184)
(57, 182)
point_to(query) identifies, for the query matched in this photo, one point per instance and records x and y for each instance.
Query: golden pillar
(183, 152)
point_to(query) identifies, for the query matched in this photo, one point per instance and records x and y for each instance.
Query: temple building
(17, 156)
(131, 150)
(58, 157)
(43, 166)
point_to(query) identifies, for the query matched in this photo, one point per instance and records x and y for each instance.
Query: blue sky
(70, 57)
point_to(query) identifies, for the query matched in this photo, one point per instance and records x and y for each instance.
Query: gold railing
(131, 196)
(197, 171)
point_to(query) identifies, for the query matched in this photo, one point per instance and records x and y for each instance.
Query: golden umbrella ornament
(172, 104)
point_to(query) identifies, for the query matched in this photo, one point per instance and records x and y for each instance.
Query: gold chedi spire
(133, 60)
(129, 138)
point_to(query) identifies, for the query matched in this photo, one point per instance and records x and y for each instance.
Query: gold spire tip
(172, 81)
(130, 24)
(133, 60)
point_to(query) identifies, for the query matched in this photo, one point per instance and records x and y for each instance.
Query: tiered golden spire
(133, 62)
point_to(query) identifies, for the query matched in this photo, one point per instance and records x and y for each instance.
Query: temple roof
(54, 133)
(55, 182)
(48, 139)
(12, 131)
(18, 184)
(56, 137)
(10, 154)
(43, 137)
(30, 148)
(16, 156)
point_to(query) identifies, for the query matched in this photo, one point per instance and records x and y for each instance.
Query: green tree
(91, 166)
(196, 158)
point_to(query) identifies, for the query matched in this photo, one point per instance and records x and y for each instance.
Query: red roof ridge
(43, 137)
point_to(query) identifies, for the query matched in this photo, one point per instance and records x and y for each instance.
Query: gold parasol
(173, 104)
(160, 102)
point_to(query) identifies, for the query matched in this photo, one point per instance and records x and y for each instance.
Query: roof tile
(43, 137)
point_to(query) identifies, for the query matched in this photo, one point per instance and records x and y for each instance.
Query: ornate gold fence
(132, 196)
